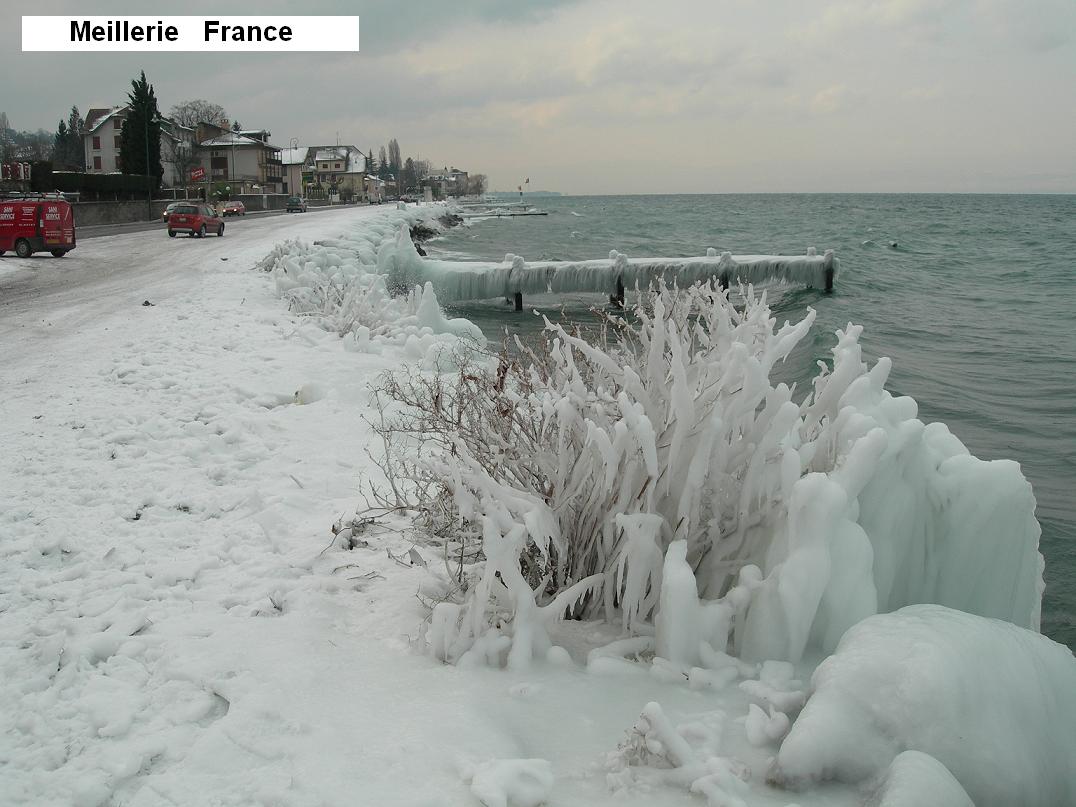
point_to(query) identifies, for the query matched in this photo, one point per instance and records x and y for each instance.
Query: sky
(632, 96)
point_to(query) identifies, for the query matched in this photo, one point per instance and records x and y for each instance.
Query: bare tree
(476, 184)
(185, 158)
(191, 113)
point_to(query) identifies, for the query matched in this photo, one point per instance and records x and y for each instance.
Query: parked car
(169, 209)
(37, 223)
(296, 204)
(235, 208)
(194, 219)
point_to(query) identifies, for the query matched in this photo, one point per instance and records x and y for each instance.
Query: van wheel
(171, 233)
(201, 231)
(23, 248)
(220, 231)
(59, 253)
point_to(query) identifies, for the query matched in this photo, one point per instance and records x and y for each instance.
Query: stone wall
(88, 214)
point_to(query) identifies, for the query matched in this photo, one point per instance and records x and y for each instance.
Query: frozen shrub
(582, 464)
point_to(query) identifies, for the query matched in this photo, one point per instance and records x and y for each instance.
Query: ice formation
(798, 520)
(398, 260)
(915, 779)
(993, 703)
(351, 286)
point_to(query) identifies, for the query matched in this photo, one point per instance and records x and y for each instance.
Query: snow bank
(358, 286)
(993, 703)
(477, 280)
(512, 782)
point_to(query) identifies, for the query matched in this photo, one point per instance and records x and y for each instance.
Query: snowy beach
(179, 624)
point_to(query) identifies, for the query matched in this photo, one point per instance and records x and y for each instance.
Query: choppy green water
(976, 305)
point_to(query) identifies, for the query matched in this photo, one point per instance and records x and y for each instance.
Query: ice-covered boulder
(512, 782)
(993, 703)
(916, 779)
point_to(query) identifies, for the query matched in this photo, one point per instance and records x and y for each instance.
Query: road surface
(100, 230)
(43, 297)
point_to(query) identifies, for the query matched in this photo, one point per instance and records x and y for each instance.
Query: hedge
(43, 178)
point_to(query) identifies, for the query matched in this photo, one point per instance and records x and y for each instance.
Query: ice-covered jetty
(514, 277)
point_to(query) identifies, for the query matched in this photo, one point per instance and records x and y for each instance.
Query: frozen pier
(514, 277)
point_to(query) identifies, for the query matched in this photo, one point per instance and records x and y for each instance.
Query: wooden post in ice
(827, 265)
(617, 299)
(519, 267)
(620, 264)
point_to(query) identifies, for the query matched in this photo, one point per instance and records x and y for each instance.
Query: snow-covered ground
(176, 628)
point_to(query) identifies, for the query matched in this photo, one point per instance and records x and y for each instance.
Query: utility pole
(149, 181)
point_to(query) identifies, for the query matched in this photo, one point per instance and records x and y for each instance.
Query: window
(336, 166)
(117, 123)
(96, 142)
(97, 163)
(118, 140)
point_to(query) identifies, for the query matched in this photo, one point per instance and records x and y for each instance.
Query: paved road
(101, 230)
(44, 297)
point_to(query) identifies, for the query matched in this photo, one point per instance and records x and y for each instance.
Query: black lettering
(171, 33)
(80, 32)
(285, 33)
(212, 27)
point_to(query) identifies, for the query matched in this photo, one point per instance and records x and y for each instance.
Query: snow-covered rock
(915, 779)
(512, 782)
(995, 704)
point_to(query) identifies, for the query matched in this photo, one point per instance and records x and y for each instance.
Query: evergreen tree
(236, 127)
(76, 131)
(61, 145)
(395, 163)
(383, 169)
(371, 166)
(141, 132)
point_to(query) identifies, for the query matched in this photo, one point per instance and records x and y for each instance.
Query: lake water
(972, 296)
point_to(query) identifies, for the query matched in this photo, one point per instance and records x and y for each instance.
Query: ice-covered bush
(790, 520)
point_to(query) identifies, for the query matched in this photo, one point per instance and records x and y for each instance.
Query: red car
(36, 223)
(235, 208)
(195, 219)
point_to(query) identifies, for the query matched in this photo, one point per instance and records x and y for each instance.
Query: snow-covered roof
(331, 153)
(232, 139)
(355, 159)
(94, 122)
(294, 156)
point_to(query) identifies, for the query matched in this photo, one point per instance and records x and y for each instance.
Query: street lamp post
(149, 181)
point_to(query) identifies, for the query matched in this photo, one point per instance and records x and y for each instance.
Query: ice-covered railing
(479, 280)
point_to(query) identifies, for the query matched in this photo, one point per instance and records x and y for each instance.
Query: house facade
(245, 160)
(297, 162)
(104, 136)
(102, 139)
(340, 170)
(450, 182)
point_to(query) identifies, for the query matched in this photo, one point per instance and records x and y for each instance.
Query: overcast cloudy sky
(633, 96)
